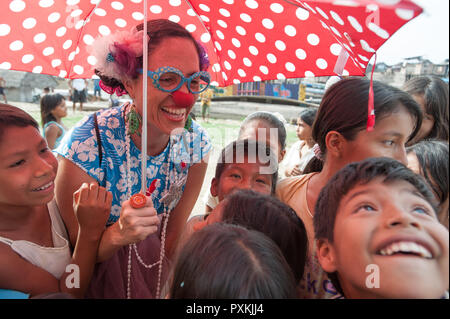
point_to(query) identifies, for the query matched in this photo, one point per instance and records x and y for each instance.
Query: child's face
(427, 121)
(259, 131)
(27, 168)
(60, 110)
(388, 139)
(390, 227)
(237, 176)
(304, 131)
(214, 217)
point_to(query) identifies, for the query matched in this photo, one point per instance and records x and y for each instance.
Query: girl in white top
(34, 250)
(301, 151)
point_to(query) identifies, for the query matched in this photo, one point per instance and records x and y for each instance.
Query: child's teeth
(406, 247)
(43, 187)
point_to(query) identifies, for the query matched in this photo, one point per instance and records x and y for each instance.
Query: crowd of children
(361, 214)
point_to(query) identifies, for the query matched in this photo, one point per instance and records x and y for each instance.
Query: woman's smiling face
(163, 113)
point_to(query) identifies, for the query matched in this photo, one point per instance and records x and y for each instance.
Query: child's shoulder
(287, 187)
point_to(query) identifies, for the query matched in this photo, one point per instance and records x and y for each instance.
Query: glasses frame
(156, 75)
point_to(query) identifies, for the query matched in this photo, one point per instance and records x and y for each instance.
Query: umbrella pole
(144, 104)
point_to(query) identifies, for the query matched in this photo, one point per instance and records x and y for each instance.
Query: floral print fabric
(80, 146)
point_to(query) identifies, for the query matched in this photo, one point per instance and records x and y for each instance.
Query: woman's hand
(92, 206)
(136, 224)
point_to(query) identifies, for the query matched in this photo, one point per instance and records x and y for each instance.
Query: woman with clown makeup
(143, 229)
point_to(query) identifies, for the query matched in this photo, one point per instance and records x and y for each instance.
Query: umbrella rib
(204, 27)
(85, 21)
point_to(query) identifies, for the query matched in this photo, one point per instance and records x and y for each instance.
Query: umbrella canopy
(246, 40)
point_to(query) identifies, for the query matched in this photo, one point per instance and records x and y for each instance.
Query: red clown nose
(183, 100)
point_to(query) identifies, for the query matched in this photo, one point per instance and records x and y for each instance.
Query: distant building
(397, 74)
(22, 86)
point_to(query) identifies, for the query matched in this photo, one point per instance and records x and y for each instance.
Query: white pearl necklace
(165, 218)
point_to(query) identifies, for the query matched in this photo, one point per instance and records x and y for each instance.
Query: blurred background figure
(429, 158)
(53, 109)
(431, 93)
(78, 91)
(97, 90)
(2, 89)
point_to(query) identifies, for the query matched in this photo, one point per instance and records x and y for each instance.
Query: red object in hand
(183, 100)
(138, 200)
(152, 187)
(183, 165)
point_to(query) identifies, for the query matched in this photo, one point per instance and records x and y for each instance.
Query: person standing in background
(2, 92)
(97, 90)
(78, 89)
(205, 98)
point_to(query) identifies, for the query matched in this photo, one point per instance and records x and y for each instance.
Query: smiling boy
(378, 235)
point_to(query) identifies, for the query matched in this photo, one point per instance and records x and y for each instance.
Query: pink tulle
(117, 90)
(124, 47)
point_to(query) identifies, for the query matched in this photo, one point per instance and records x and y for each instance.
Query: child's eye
(389, 142)
(45, 150)
(365, 207)
(18, 163)
(235, 176)
(421, 210)
(259, 180)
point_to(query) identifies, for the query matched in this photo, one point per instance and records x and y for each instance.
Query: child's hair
(223, 261)
(14, 116)
(271, 120)
(273, 218)
(48, 103)
(432, 156)
(157, 31)
(237, 150)
(347, 178)
(435, 93)
(344, 109)
(308, 116)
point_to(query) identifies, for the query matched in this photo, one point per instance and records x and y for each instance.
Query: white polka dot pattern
(247, 40)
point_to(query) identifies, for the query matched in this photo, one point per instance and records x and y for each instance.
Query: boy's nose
(43, 167)
(245, 184)
(398, 217)
(401, 156)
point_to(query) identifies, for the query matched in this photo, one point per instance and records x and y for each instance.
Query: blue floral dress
(80, 146)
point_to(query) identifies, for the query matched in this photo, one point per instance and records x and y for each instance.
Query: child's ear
(214, 187)
(282, 154)
(326, 255)
(334, 142)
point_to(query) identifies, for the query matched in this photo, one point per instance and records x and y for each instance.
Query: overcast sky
(427, 35)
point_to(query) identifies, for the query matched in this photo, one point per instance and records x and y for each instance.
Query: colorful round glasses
(170, 79)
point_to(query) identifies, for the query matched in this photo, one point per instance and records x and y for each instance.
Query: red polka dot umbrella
(246, 40)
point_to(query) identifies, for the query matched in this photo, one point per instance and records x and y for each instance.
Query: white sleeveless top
(52, 259)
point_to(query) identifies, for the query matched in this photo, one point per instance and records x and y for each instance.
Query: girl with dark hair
(429, 158)
(301, 151)
(342, 138)
(53, 109)
(107, 148)
(262, 126)
(242, 164)
(431, 93)
(224, 261)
